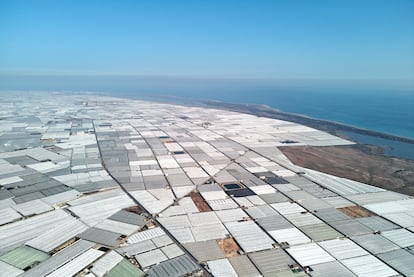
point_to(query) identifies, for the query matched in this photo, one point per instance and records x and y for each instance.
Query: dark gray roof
(100, 236)
(243, 266)
(350, 227)
(128, 217)
(21, 160)
(375, 243)
(330, 269)
(401, 260)
(315, 204)
(274, 222)
(179, 266)
(28, 197)
(59, 259)
(89, 187)
(271, 261)
(377, 223)
(28, 180)
(24, 190)
(204, 250)
(320, 232)
(55, 190)
(331, 214)
(271, 198)
(4, 194)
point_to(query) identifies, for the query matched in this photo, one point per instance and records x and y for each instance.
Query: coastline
(370, 162)
(331, 127)
(363, 162)
(388, 145)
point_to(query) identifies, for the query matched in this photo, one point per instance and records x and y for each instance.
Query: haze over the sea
(348, 61)
(382, 106)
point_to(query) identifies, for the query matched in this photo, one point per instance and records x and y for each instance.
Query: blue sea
(391, 113)
(375, 105)
(388, 111)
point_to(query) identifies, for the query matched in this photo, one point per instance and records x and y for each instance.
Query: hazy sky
(281, 39)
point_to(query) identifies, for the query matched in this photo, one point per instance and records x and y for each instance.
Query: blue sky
(347, 39)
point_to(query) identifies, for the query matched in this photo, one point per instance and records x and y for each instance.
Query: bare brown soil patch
(229, 247)
(355, 211)
(199, 201)
(134, 209)
(356, 162)
(63, 246)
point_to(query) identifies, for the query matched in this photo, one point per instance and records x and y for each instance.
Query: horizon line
(200, 76)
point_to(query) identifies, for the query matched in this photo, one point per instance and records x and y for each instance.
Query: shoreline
(331, 127)
(264, 110)
(371, 162)
(388, 145)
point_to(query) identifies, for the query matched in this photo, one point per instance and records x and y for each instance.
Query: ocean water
(387, 112)
(384, 111)
(390, 148)
(385, 106)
